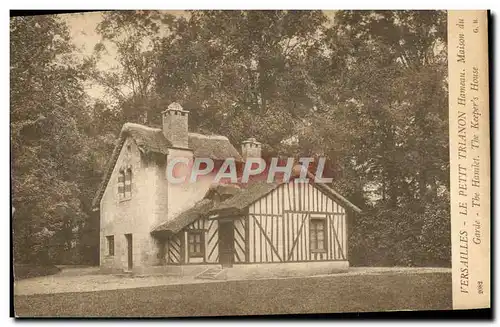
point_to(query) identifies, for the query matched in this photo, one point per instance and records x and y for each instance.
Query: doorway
(130, 263)
(226, 243)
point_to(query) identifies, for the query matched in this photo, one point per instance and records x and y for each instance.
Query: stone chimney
(251, 148)
(175, 125)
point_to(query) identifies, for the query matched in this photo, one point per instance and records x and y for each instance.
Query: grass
(329, 294)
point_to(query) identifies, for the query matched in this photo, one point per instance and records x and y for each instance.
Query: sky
(82, 28)
(82, 31)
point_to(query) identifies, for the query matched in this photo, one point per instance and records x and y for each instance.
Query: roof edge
(334, 193)
(96, 201)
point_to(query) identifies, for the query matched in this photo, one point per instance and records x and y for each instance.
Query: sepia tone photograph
(230, 163)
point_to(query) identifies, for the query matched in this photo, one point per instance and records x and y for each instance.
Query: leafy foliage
(49, 141)
(367, 90)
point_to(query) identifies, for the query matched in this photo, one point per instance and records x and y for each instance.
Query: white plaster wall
(133, 216)
(154, 200)
(185, 195)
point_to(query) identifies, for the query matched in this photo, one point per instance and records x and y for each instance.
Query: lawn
(346, 293)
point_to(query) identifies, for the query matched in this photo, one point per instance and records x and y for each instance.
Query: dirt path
(61, 283)
(89, 279)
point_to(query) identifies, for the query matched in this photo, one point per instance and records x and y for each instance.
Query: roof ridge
(128, 125)
(211, 137)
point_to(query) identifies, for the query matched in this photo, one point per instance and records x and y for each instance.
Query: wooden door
(226, 243)
(129, 251)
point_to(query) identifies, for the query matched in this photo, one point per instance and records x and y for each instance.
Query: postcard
(249, 162)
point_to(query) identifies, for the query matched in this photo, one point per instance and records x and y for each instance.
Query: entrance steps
(211, 273)
(125, 273)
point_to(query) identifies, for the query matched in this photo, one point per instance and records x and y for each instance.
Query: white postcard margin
(469, 158)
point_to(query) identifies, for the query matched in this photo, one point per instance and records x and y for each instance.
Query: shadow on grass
(327, 294)
(23, 271)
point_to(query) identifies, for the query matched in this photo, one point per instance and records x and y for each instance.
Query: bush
(23, 271)
(410, 235)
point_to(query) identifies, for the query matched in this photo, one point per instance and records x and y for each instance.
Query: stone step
(210, 273)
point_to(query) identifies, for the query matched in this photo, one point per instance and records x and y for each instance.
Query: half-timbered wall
(211, 241)
(177, 247)
(174, 249)
(277, 229)
(279, 225)
(240, 236)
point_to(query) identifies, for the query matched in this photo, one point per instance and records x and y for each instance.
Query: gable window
(121, 184)
(125, 183)
(128, 183)
(196, 244)
(111, 245)
(317, 230)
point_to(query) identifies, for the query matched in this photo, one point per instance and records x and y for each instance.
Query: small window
(125, 184)
(111, 245)
(317, 229)
(121, 184)
(196, 244)
(128, 183)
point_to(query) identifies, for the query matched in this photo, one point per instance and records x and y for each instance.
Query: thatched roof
(258, 189)
(199, 210)
(237, 200)
(245, 198)
(222, 191)
(215, 147)
(152, 140)
(253, 192)
(148, 139)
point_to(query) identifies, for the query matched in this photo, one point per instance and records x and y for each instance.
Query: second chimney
(251, 148)
(175, 125)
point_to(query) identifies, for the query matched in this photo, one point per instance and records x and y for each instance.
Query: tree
(241, 73)
(48, 123)
(133, 36)
(393, 119)
(368, 92)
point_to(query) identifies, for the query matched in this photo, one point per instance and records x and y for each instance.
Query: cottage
(146, 221)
